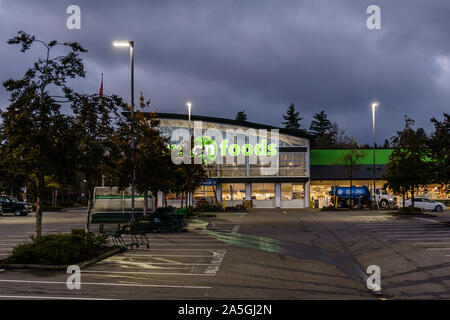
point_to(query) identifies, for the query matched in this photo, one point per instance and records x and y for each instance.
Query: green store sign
(206, 148)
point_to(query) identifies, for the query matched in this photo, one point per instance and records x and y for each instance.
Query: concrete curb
(63, 267)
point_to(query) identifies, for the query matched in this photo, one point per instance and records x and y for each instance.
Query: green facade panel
(334, 156)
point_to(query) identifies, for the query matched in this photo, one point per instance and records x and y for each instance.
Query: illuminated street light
(130, 44)
(189, 105)
(374, 106)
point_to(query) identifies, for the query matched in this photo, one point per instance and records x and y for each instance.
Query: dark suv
(10, 204)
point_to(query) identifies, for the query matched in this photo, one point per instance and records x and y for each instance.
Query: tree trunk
(38, 224)
(88, 213)
(145, 202)
(165, 199)
(40, 191)
(412, 195)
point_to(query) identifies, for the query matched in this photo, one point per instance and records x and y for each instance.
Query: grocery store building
(235, 182)
(303, 178)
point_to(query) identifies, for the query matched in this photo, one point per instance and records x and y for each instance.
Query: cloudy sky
(256, 55)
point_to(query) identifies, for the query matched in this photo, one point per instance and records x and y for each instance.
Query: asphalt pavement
(264, 254)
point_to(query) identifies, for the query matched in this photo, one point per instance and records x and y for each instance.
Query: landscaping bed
(58, 251)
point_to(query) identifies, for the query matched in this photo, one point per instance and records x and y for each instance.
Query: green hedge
(59, 249)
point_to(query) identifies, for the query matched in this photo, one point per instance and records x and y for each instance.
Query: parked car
(426, 204)
(11, 204)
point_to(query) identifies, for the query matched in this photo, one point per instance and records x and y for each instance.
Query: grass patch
(59, 249)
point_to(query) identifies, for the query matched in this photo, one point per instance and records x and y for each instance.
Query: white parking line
(203, 240)
(437, 249)
(142, 272)
(180, 249)
(186, 244)
(110, 284)
(166, 255)
(426, 227)
(423, 239)
(428, 243)
(158, 263)
(424, 219)
(52, 298)
(415, 232)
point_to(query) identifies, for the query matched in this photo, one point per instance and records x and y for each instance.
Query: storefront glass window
(235, 190)
(263, 191)
(292, 191)
(206, 192)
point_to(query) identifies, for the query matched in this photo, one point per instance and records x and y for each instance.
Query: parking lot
(176, 265)
(266, 254)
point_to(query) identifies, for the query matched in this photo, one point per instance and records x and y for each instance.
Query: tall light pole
(130, 44)
(189, 105)
(374, 106)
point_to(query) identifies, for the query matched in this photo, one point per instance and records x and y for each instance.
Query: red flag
(100, 92)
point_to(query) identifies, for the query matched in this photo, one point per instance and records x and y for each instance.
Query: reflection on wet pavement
(343, 262)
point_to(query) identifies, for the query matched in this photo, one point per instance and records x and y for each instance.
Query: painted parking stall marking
(427, 234)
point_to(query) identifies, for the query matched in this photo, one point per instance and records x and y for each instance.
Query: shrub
(59, 249)
(208, 208)
(239, 208)
(163, 222)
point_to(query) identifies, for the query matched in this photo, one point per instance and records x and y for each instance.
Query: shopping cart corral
(127, 235)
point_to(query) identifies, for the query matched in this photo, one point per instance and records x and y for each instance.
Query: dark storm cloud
(227, 56)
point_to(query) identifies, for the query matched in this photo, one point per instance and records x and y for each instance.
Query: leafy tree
(397, 173)
(408, 158)
(93, 130)
(351, 159)
(152, 157)
(34, 132)
(241, 116)
(439, 151)
(334, 137)
(191, 176)
(386, 144)
(292, 118)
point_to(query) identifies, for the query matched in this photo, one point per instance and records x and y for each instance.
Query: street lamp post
(189, 105)
(374, 105)
(130, 44)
